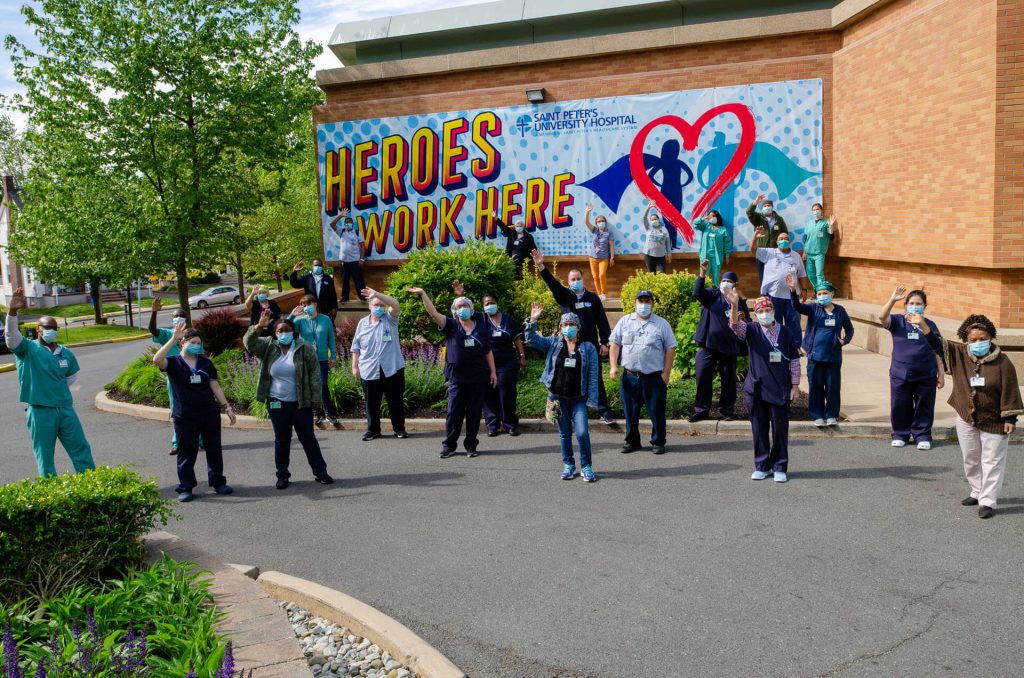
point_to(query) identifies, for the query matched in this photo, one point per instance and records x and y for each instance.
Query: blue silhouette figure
(766, 158)
(611, 184)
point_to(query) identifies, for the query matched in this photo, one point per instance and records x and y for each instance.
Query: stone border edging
(260, 633)
(797, 429)
(364, 620)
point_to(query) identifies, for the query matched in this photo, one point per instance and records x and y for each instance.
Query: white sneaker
(758, 475)
(781, 477)
(831, 421)
(819, 423)
(899, 443)
(924, 445)
(602, 297)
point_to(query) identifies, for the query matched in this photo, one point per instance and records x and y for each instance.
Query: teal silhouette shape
(766, 158)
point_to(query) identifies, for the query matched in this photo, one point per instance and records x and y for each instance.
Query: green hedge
(673, 293)
(61, 531)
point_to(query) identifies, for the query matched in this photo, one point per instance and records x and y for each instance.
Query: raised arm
(533, 338)
(647, 214)
(293, 278)
(703, 295)
(502, 226)
(160, 359)
(429, 306)
(390, 302)
(251, 296)
(586, 217)
(157, 305)
(800, 306)
(897, 294)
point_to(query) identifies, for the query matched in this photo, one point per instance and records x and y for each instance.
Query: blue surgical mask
(49, 336)
(194, 349)
(379, 311)
(576, 286)
(349, 225)
(491, 309)
(602, 225)
(824, 299)
(816, 214)
(569, 331)
(262, 297)
(310, 310)
(643, 310)
(464, 313)
(520, 229)
(915, 308)
(783, 244)
(980, 349)
(285, 339)
(726, 285)
(767, 209)
(178, 320)
(766, 318)
(318, 270)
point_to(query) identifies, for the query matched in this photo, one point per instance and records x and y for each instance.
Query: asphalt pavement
(864, 564)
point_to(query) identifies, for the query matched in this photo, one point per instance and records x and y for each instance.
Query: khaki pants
(984, 461)
(599, 272)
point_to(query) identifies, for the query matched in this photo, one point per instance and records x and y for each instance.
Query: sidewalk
(865, 393)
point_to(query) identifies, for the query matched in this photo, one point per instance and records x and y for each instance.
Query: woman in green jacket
(289, 385)
(715, 243)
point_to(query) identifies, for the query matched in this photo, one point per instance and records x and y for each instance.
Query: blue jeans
(637, 390)
(823, 383)
(574, 414)
(786, 314)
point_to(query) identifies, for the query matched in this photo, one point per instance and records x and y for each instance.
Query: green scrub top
(816, 237)
(715, 243)
(317, 332)
(163, 335)
(43, 375)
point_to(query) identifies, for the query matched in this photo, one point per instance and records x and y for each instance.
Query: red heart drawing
(691, 134)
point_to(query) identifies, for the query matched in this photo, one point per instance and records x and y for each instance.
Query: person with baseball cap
(647, 346)
(718, 347)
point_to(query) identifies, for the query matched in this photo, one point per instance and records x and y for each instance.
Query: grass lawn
(80, 335)
(79, 310)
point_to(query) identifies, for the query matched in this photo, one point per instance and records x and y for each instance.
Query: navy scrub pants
(770, 425)
(500, 402)
(710, 362)
(637, 390)
(823, 381)
(913, 408)
(465, 402)
(188, 431)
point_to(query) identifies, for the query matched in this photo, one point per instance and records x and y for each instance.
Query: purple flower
(12, 660)
(227, 668)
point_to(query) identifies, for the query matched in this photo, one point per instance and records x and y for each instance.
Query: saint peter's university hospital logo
(524, 123)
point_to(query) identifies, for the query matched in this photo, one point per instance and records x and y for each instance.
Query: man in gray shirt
(778, 263)
(647, 346)
(378, 363)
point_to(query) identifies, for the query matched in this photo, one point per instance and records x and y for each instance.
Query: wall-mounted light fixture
(536, 96)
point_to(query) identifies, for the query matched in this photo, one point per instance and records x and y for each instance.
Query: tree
(14, 150)
(177, 94)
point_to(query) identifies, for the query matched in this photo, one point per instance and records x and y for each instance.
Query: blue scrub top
(912, 359)
(825, 339)
(191, 399)
(466, 364)
(502, 339)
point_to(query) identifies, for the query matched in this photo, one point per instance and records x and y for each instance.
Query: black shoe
(472, 453)
(370, 435)
(324, 479)
(336, 423)
(607, 419)
(969, 501)
(319, 421)
(513, 432)
(697, 416)
(658, 449)
(492, 434)
(627, 448)
(401, 434)
(174, 451)
(445, 454)
(282, 483)
(985, 512)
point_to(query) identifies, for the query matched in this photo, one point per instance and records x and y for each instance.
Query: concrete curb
(364, 620)
(9, 367)
(797, 429)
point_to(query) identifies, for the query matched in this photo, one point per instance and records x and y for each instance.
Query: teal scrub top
(715, 245)
(163, 335)
(816, 237)
(43, 375)
(318, 332)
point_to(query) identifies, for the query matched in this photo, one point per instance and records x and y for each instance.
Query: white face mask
(766, 318)
(602, 225)
(713, 221)
(726, 285)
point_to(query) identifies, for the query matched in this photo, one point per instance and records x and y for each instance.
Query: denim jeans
(574, 414)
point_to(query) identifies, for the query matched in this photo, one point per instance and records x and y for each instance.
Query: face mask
(816, 214)
(601, 225)
(193, 349)
(519, 229)
(915, 308)
(726, 285)
(643, 310)
(569, 331)
(713, 221)
(491, 309)
(766, 318)
(767, 209)
(179, 320)
(349, 225)
(285, 339)
(262, 297)
(463, 313)
(310, 310)
(318, 270)
(783, 245)
(576, 286)
(49, 336)
(378, 311)
(656, 224)
(824, 300)
(980, 349)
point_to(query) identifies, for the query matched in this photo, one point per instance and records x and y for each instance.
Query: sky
(319, 17)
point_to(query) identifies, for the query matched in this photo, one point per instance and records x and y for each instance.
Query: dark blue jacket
(814, 312)
(713, 332)
(771, 382)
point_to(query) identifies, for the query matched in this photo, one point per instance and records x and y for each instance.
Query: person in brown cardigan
(987, 400)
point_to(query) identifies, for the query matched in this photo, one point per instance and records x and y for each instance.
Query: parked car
(224, 294)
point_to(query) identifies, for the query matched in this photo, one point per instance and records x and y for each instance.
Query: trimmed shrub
(142, 381)
(481, 267)
(221, 330)
(73, 529)
(673, 293)
(528, 290)
(686, 351)
(343, 387)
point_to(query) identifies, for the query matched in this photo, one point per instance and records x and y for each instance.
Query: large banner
(432, 180)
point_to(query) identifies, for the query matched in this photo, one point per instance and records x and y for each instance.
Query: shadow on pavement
(903, 472)
(671, 471)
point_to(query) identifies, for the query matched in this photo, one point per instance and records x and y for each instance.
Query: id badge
(62, 363)
(570, 362)
(469, 343)
(196, 379)
(913, 335)
(830, 322)
(496, 334)
(580, 304)
(386, 337)
(775, 357)
(977, 382)
(275, 404)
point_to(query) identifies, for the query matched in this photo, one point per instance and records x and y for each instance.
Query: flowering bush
(239, 378)
(220, 330)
